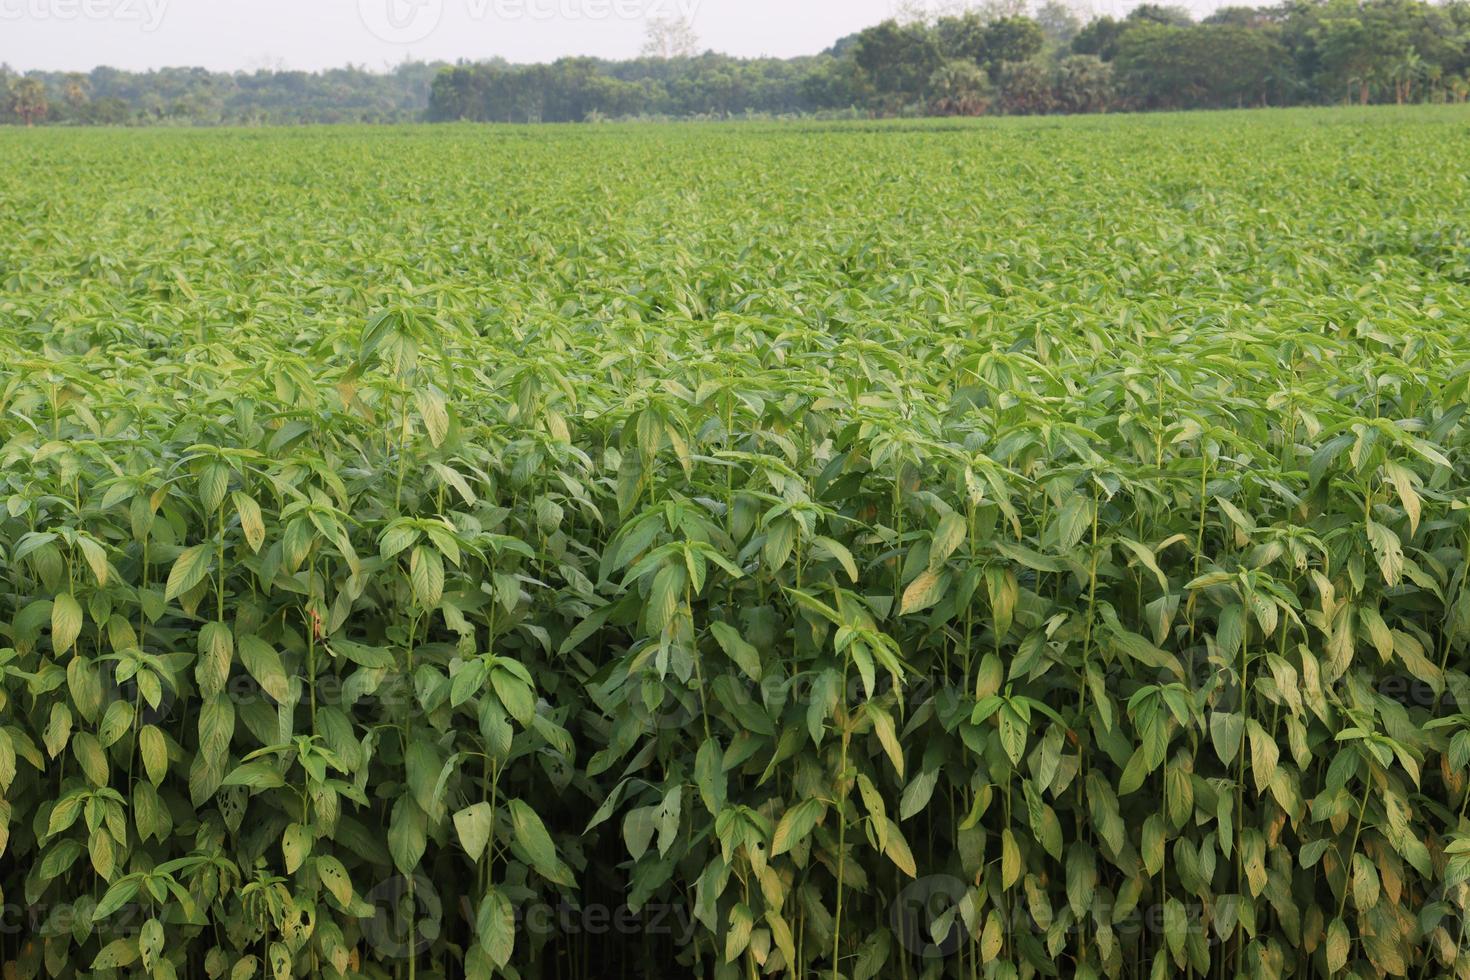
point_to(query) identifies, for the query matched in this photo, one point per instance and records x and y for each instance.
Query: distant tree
(453, 96)
(898, 59)
(1013, 39)
(108, 112)
(1352, 56)
(1154, 13)
(1200, 66)
(1099, 37)
(963, 37)
(78, 93)
(970, 36)
(843, 46)
(959, 88)
(1026, 88)
(833, 83)
(1058, 22)
(669, 37)
(1084, 83)
(1253, 17)
(28, 100)
(1408, 69)
(1256, 69)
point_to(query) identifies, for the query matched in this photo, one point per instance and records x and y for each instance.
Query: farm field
(1001, 549)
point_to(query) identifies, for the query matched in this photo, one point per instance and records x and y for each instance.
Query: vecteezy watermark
(411, 21)
(928, 919)
(594, 919)
(407, 917)
(401, 21)
(147, 14)
(925, 916)
(46, 920)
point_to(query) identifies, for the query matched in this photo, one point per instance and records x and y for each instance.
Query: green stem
(841, 798)
(1347, 867)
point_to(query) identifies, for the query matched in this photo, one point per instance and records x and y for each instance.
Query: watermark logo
(147, 14)
(925, 916)
(401, 21)
(407, 917)
(151, 695)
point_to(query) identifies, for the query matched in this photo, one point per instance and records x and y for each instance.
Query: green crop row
(1005, 550)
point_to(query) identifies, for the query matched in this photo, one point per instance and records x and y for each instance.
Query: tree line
(197, 97)
(998, 58)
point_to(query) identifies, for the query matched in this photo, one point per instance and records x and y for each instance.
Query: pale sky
(229, 35)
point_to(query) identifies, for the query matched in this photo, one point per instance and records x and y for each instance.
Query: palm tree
(28, 100)
(1404, 72)
(78, 92)
(960, 88)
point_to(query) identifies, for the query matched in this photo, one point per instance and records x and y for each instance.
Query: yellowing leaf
(252, 524)
(922, 592)
(334, 877)
(66, 622)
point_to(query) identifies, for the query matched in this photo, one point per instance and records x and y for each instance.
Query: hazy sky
(312, 34)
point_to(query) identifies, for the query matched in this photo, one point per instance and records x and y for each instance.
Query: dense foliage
(992, 59)
(1000, 549)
